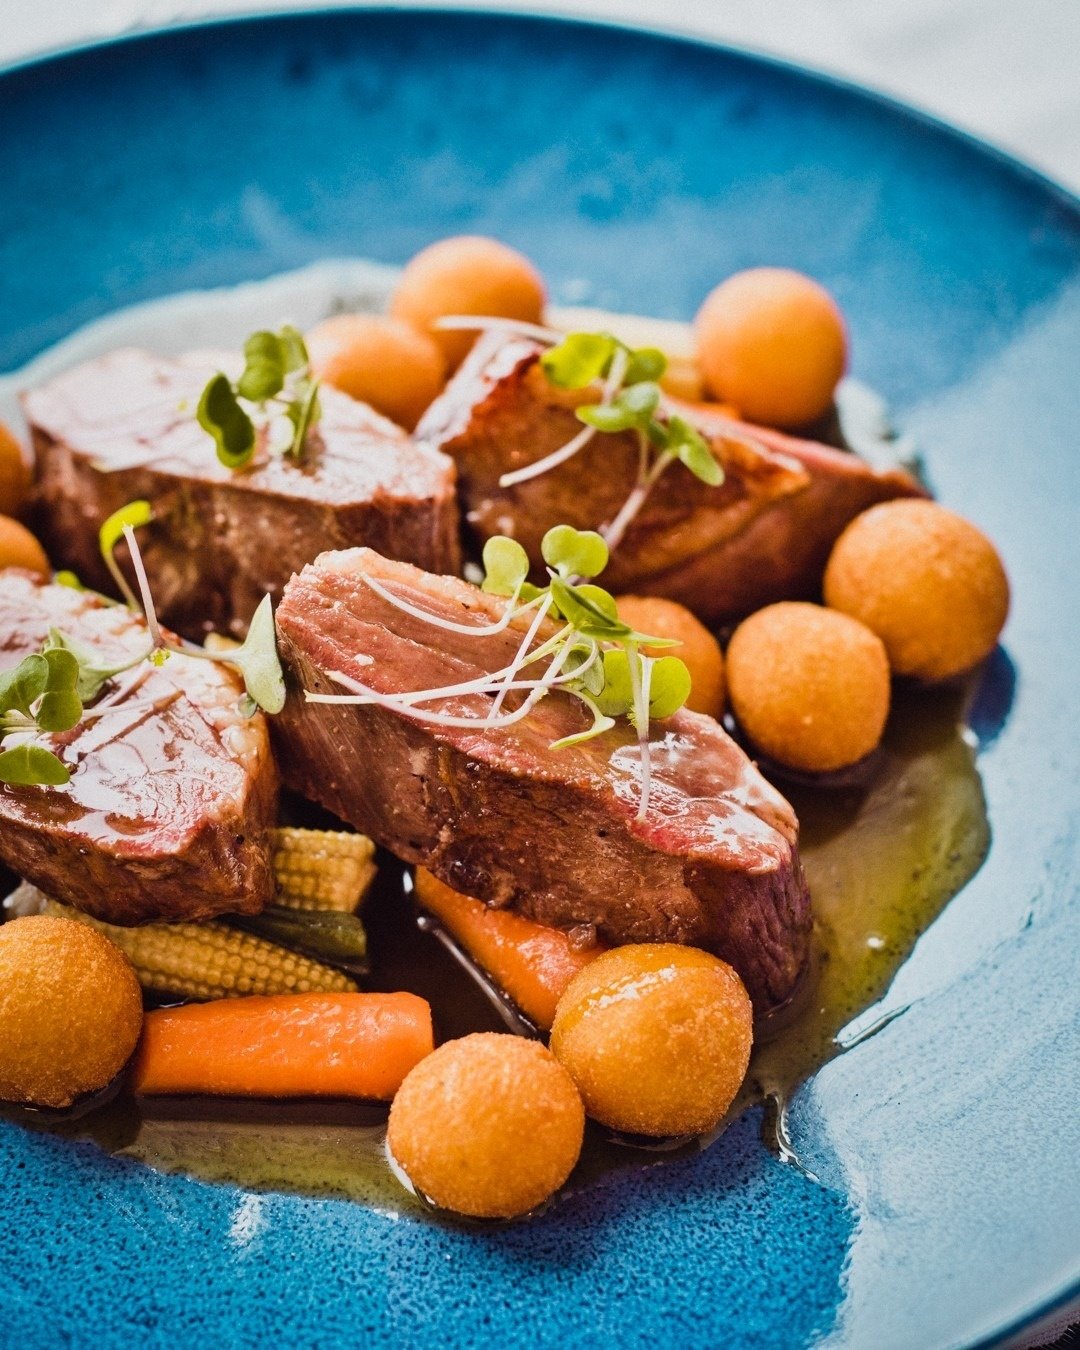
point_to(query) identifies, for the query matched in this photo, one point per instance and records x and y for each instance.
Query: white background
(1008, 70)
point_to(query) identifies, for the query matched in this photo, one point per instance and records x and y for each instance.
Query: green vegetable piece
(257, 660)
(294, 352)
(506, 565)
(327, 935)
(222, 416)
(571, 552)
(60, 707)
(579, 360)
(694, 452)
(617, 696)
(645, 363)
(21, 686)
(66, 578)
(303, 413)
(592, 681)
(590, 609)
(264, 368)
(630, 410)
(32, 766)
(669, 686)
(600, 723)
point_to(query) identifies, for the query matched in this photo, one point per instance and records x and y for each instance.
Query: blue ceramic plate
(945, 1203)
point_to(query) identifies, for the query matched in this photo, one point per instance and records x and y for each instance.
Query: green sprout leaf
(23, 685)
(69, 579)
(579, 360)
(32, 766)
(571, 552)
(264, 368)
(294, 352)
(617, 696)
(669, 686)
(93, 673)
(221, 415)
(135, 513)
(303, 413)
(257, 660)
(694, 452)
(589, 609)
(60, 707)
(600, 723)
(645, 363)
(630, 410)
(506, 565)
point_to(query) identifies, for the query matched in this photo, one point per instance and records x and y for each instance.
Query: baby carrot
(285, 1045)
(530, 962)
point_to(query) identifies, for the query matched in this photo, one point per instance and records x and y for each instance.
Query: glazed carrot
(285, 1045)
(531, 963)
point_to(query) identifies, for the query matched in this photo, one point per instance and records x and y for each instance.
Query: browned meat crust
(764, 535)
(221, 540)
(500, 815)
(172, 797)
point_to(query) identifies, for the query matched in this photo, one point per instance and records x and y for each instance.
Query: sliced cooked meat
(173, 793)
(123, 427)
(763, 535)
(500, 815)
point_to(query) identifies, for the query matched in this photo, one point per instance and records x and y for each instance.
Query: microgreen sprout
(277, 385)
(50, 691)
(591, 654)
(631, 400)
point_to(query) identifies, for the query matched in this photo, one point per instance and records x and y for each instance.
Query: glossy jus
(636, 171)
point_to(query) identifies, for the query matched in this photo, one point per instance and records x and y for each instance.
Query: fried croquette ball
(699, 649)
(772, 342)
(809, 686)
(657, 1038)
(489, 1126)
(926, 581)
(19, 548)
(14, 474)
(70, 1010)
(469, 274)
(383, 362)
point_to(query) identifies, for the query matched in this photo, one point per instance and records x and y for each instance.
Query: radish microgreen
(277, 385)
(591, 653)
(38, 696)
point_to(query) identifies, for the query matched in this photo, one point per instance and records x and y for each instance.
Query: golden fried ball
(490, 1126)
(383, 362)
(19, 548)
(14, 474)
(70, 1010)
(469, 274)
(699, 649)
(657, 1037)
(772, 342)
(809, 686)
(926, 581)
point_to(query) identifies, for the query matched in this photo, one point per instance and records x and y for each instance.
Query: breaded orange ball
(657, 1037)
(70, 1011)
(469, 274)
(490, 1126)
(14, 474)
(700, 650)
(772, 342)
(381, 361)
(809, 686)
(19, 548)
(926, 581)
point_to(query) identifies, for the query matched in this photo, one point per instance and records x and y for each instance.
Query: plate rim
(1004, 161)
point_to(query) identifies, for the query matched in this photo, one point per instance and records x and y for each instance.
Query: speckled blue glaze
(637, 171)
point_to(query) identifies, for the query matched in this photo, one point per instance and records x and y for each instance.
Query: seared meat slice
(123, 427)
(763, 535)
(500, 815)
(172, 795)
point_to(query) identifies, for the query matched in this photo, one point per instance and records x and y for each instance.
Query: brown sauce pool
(883, 856)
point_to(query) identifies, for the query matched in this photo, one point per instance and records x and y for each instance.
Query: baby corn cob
(322, 869)
(202, 960)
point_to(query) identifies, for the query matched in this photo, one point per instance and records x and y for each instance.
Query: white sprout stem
(490, 323)
(522, 652)
(365, 695)
(640, 680)
(614, 533)
(149, 612)
(612, 384)
(468, 630)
